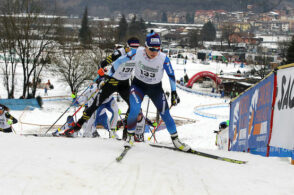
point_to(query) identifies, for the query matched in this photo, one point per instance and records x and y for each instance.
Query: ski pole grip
(100, 72)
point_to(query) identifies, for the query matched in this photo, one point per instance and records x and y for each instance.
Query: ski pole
(74, 114)
(147, 107)
(71, 105)
(153, 132)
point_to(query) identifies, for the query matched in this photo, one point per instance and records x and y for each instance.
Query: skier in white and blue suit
(150, 63)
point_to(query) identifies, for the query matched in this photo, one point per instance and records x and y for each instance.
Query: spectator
(6, 120)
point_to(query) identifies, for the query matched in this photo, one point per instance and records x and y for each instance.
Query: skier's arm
(111, 58)
(123, 59)
(170, 72)
(9, 117)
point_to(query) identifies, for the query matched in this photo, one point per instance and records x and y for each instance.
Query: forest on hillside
(106, 8)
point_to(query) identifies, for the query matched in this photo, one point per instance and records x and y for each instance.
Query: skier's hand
(101, 72)
(9, 122)
(154, 124)
(174, 98)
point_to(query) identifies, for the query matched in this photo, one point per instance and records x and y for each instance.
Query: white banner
(283, 122)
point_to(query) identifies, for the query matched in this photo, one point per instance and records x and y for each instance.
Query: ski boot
(113, 134)
(130, 140)
(70, 132)
(95, 134)
(178, 144)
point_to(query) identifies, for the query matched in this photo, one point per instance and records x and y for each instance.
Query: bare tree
(10, 62)
(227, 29)
(30, 31)
(75, 64)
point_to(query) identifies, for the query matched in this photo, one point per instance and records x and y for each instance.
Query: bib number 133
(147, 74)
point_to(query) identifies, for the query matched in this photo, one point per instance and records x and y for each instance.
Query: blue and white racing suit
(147, 81)
(109, 104)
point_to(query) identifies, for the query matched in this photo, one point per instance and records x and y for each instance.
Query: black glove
(174, 98)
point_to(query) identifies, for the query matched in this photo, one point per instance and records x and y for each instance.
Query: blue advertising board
(250, 117)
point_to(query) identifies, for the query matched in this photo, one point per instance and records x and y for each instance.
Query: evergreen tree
(208, 32)
(134, 27)
(137, 29)
(85, 34)
(122, 29)
(290, 52)
(142, 26)
(189, 18)
(163, 17)
(193, 38)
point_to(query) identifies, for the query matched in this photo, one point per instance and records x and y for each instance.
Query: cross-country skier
(69, 124)
(89, 128)
(115, 81)
(6, 120)
(150, 63)
(109, 104)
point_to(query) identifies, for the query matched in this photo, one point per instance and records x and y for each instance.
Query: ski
(122, 155)
(45, 135)
(39, 135)
(201, 154)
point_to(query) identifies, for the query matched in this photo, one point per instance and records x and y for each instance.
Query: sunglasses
(153, 48)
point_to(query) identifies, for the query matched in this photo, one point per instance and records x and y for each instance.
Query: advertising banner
(283, 119)
(239, 120)
(20, 104)
(250, 117)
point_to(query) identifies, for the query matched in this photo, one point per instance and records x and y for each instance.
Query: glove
(102, 81)
(174, 98)
(119, 112)
(9, 122)
(101, 72)
(73, 96)
(154, 124)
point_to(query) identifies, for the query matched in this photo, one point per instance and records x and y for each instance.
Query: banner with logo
(283, 119)
(250, 117)
(239, 120)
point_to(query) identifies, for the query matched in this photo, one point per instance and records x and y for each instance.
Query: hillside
(107, 8)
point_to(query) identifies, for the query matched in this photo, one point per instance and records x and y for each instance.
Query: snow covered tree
(85, 34)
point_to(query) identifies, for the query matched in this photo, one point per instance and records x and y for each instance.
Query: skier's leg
(136, 98)
(161, 104)
(158, 98)
(124, 92)
(113, 109)
(105, 91)
(88, 126)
